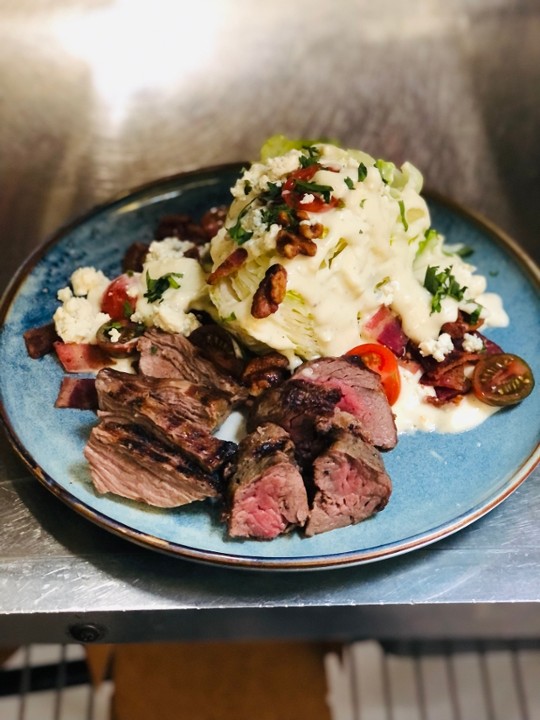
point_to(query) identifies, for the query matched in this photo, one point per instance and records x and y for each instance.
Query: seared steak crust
(266, 491)
(180, 419)
(126, 460)
(197, 403)
(173, 356)
(362, 395)
(297, 406)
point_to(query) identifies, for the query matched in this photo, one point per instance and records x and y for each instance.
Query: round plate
(441, 482)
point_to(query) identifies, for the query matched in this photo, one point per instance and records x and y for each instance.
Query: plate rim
(250, 562)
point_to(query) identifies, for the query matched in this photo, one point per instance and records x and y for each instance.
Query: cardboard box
(215, 681)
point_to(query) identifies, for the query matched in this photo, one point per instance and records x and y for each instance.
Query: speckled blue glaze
(441, 482)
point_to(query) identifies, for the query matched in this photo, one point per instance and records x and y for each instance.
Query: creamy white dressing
(413, 413)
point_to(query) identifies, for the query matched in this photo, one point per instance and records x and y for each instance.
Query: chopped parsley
(156, 287)
(475, 315)
(349, 183)
(312, 157)
(312, 187)
(362, 172)
(239, 234)
(442, 284)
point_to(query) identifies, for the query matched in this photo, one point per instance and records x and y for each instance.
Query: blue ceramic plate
(441, 482)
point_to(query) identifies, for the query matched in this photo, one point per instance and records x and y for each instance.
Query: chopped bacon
(134, 257)
(460, 326)
(385, 327)
(77, 394)
(229, 266)
(40, 341)
(81, 357)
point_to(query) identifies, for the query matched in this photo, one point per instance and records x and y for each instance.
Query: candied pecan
(213, 220)
(231, 263)
(311, 231)
(291, 244)
(270, 293)
(265, 371)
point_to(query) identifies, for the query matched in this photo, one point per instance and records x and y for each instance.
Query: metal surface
(99, 97)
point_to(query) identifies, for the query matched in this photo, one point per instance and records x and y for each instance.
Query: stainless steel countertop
(99, 97)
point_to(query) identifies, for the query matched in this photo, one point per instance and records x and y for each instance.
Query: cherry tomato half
(382, 361)
(118, 338)
(502, 379)
(293, 195)
(116, 301)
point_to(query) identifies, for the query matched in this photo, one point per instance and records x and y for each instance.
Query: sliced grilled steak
(181, 421)
(362, 395)
(297, 406)
(125, 460)
(266, 490)
(350, 484)
(172, 355)
(196, 403)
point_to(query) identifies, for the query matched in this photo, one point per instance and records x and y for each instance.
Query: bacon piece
(134, 257)
(77, 394)
(230, 265)
(40, 341)
(385, 327)
(81, 357)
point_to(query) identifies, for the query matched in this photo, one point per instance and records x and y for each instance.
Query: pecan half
(270, 293)
(290, 244)
(231, 263)
(311, 231)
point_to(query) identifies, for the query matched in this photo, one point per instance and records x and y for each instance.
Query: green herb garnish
(349, 183)
(362, 172)
(312, 157)
(157, 286)
(442, 284)
(475, 315)
(312, 187)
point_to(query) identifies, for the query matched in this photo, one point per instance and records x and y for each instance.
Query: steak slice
(173, 356)
(297, 406)
(350, 484)
(135, 399)
(125, 460)
(266, 491)
(197, 403)
(362, 395)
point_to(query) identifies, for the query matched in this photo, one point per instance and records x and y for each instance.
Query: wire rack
(435, 681)
(367, 681)
(51, 682)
